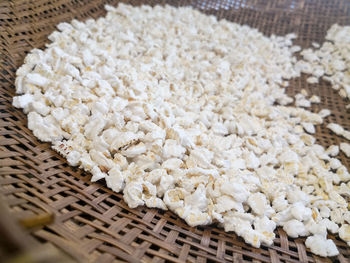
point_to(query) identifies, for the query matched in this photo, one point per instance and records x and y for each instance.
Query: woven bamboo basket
(61, 212)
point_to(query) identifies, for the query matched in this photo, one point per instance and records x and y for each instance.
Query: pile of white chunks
(180, 111)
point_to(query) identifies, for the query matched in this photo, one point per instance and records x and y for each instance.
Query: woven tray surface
(93, 224)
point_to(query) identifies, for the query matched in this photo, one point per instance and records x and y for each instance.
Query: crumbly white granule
(181, 111)
(339, 130)
(330, 61)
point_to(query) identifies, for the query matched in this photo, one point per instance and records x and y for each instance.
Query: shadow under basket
(55, 207)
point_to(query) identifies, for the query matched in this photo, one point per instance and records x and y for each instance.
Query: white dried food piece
(302, 102)
(321, 246)
(316, 228)
(300, 212)
(343, 93)
(180, 111)
(280, 203)
(295, 49)
(315, 44)
(304, 93)
(37, 79)
(315, 99)
(333, 150)
(312, 80)
(73, 158)
(334, 163)
(236, 190)
(329, 61)
(97, 174)
(45, 129)
(330, 226)
(325, 212)
(115, 179)
(266, 227)
(344, 190)
(132, 194)
(336, 128)
(296, 195)
(343, 173)
(308, 127)
(259, 204)
(344, 232)
(345, 148)
(295, 228)
(226, 203)
(346, 216)
(324, 113)
(346, 134)
(23, 101)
